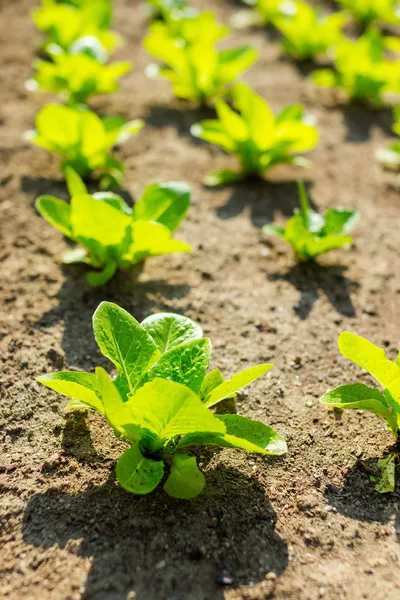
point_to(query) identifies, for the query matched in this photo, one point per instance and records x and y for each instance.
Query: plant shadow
(310, 279)
(77, 302)
(154, 545)
(360, 120)
(181, 117)
(359, 500)
(263, 199)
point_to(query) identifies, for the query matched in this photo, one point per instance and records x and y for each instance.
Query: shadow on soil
(159, 547)
(181, 118)
(358, 500)
(361, 120)
(311, 279)
(263, 198)
(77, 303)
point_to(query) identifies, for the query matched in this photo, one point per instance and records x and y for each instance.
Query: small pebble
(224, 579)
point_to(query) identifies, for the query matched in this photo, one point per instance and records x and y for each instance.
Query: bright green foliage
(385, 404)
(258, 138)
(66, 26)
(390, 156)
(112, 235)
(307, 33)
(369, 11)
(311, 234)
(77, 77)
(170, 10)
(191, 62)
(83, 140)
(270, 11)
(104, 7)
(361, 69)
(159, 401)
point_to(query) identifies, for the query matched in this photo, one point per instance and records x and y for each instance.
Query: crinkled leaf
(186, 481)
(236, 383)
(137, 474)
(169, 330)
(79, 386)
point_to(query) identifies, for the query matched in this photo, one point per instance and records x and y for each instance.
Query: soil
(305, 526)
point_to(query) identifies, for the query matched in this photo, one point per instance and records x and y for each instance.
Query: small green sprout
(191, 62)
(361, 69)
(170, 10)
(78, 77)
(369, 11)
(111, 234)
(358, 396)
(390, 156)
(83, 140)
(160, 402)
(311, 234)
(266, 12)
(71, 29)
(258, 138)
(307, 33)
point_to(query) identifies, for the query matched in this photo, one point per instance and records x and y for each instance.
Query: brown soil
(305, 526)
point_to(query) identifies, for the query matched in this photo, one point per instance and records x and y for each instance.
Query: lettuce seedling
(361, 69)
(83, 140)
(103, 7)
(390, 156)
(66, 26)
(77, 78)
(369, 11)
(258, 138)
(311, 234)
(191, 62)
(170, 10)
(358, 396)
(266, 12)
(160, 401)
(308, 33)
(112, 235)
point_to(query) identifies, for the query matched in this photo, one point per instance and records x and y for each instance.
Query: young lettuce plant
(161, 399)
(307, 33)
(71, 29)
(258, 138)
(83, 140)
(170, 10)
(369, 11)
(266, 12)
(361, 69)
(390, 156)
(111, 234)
(77, 77)
(311, 234)
(385, 404)
(196, 69)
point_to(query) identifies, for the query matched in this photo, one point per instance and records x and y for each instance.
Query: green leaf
(324, 78)
(169, 330)
(79, 386)
(369, 357)
(74, 182)
(358, 396)
(214, 132)
(386, 482)
(236, 383)
(271, 229)
(99, 278)
(223, 177)
(255, 111)
(166, 203)
(338, 221)
(185, 364)
(241, 433)
(234, 61)
(186, 481)
(125, 343)
(137, 474)
(167, 409)
(210, 382)
(56, 212)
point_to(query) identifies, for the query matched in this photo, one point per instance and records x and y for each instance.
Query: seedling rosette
(311, 234)
(371, 11)
(161, 399)
(83, 140)
(112, 235)
(196, 69)
(357, 396)
(258, 138)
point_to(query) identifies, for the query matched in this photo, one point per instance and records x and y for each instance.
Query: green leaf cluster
(77, 77)
(311, 234)
(170, 10)
(190, 60)
(75, 26)
(390, 156)
(361, 69)
(370, 11)
(259, 139)
(111, 234)
(160, 401)
(83, 140)
(307, 33)
(270, 11)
